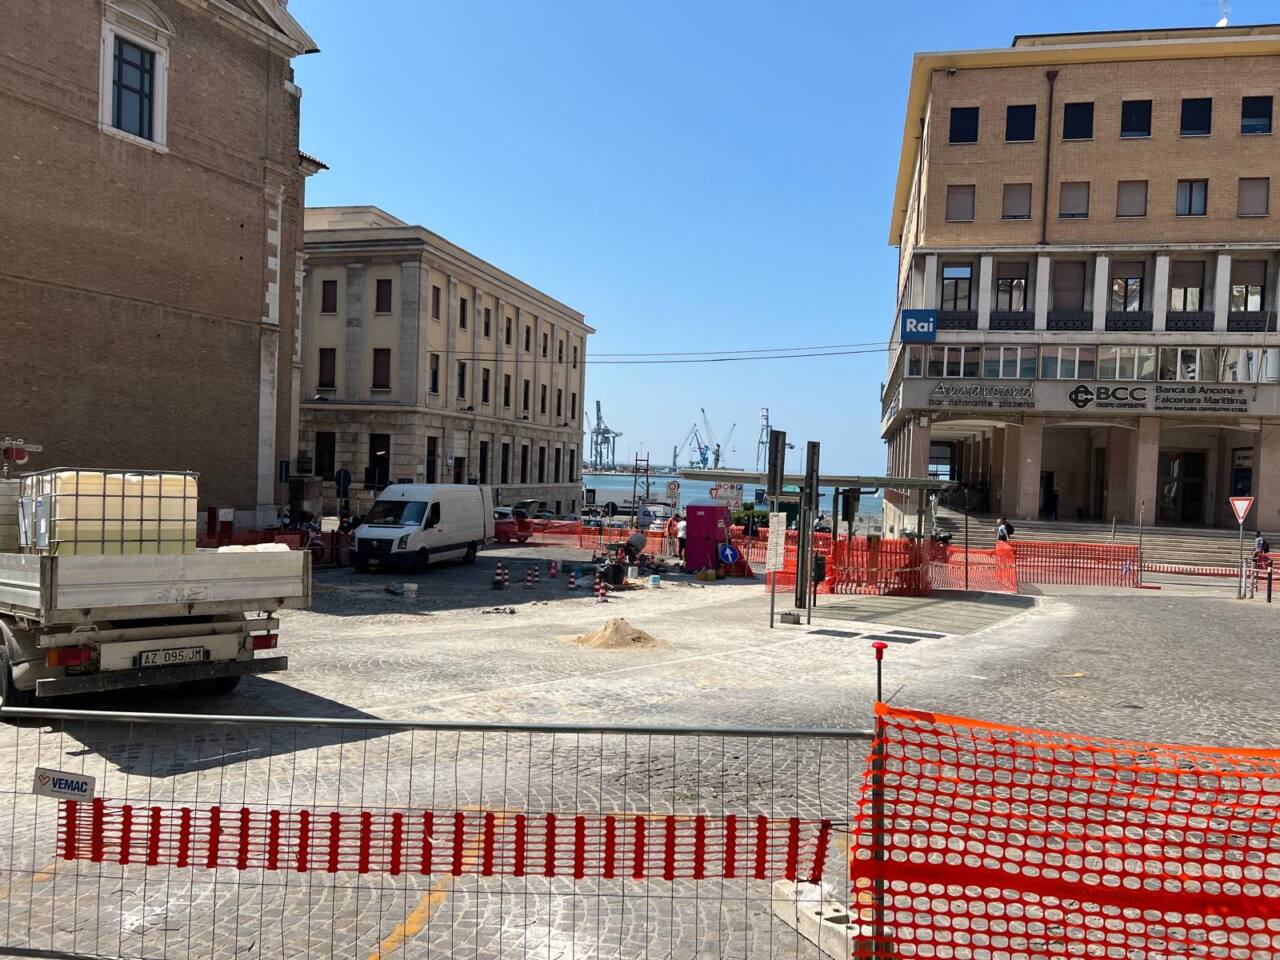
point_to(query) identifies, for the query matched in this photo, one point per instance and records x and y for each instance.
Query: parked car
(414, 524)
(511, 525)
(544, 515)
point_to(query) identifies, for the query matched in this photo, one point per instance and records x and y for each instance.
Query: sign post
(1241, 506)
(775, 559)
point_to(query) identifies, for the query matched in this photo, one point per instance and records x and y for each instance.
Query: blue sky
(691, 176)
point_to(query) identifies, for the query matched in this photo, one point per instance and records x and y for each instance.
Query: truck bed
(85, 589)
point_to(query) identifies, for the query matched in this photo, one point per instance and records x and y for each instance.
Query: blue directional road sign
(729, 554)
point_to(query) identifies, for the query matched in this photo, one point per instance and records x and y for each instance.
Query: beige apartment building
(151, 241)
(1088, 244)
(425, 364)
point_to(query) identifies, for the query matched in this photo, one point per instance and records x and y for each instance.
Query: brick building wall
(1161, 159)
(136, 282)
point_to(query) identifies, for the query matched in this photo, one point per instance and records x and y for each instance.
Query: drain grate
(891, 638)
(834, 633)
(919, 634)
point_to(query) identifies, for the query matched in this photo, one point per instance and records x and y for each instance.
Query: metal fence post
(880, 944)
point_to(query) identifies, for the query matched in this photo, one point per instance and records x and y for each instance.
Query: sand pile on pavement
(617, 634)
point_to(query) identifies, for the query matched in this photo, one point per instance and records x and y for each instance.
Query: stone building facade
(424, 363)
(151, 241)
(1089, 243)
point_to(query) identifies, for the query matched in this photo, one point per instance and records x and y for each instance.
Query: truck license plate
(169, 658)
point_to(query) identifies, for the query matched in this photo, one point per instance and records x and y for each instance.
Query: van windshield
(396, 513)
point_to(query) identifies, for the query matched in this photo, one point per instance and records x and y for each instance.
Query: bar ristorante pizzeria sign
(995, 395)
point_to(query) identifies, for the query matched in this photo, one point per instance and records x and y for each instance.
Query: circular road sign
(729, 554)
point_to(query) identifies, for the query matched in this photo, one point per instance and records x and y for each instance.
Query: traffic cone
(506, 576)
(528, 579)
(600, 593)
(573, 580)
(497, 577)
(536, 575)
(553, 569)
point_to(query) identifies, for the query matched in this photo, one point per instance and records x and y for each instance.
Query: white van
(414, 524)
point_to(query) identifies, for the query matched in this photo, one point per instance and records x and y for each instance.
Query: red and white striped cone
(600, 592)
(536, 575)
(553, 569)
(497, 577)
(506, 576)
(573, 579)
(528, 579)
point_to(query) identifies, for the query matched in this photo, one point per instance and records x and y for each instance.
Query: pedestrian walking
(1004, 530)
(672, 534)
(681, 528)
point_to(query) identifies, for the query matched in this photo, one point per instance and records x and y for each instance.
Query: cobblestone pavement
(1143, 665)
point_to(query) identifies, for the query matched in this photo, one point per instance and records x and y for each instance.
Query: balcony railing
(1252, 321)
(1069, 320)
(1013, 320)
(957, 319)
(1189, 321)
(1129, 321)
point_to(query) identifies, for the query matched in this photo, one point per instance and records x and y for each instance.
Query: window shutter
(960, 202)
(1187, 273)
(1253, 196)
(1127, 269)
(1075, 200)
(1017, 201)
(1252, 272)
(1068, 285)
(1131, 198)
(1011, 271)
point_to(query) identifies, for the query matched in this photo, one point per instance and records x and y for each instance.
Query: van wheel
(471, 553)
(11, 696)
(423, 561)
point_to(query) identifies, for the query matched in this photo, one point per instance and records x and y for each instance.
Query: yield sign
(1241, 506)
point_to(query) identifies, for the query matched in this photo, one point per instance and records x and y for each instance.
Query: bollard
(553, 569)
(1269, 571)
(497, 577)
(528, 579)
(600, 592)
(573, 580)
(536, 578)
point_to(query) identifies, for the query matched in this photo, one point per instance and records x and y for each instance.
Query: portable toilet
(706, 527)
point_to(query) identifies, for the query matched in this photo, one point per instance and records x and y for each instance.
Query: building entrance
(1181, 492)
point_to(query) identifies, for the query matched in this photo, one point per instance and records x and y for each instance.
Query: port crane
(604, 442)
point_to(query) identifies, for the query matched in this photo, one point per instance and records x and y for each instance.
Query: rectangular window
(1248, 285)
(1193, 198)
(1135, 118)
(1017, 202)
(433, 373)
(1239, 365)
(382, 369)
(542, 400)
(1020, 123)
(1065, 363)
(957, 282)
(506, 336)
(528, 339)
(573, 407)
(990, 363)
(1126, 363)
(964, 124)
(382, 295)
(462, 380)
(1197, 116)
(1131, 198)
(329, 296)
(484, 384)
(544, 344)
(488, 322)
(1255, 114)
(575, 357)
(934, 367)
(542, 464)
(1068, 285)
(1073, 203)
(435, 303)
(506, 389)
(915, 361)
(133, 89)
(484, 461)
(559, 403)
(555, 465)
(462, 313)
(504, 463)
(524, 463)
(559, 351)
(960, 362)
(524, 406)
(960, 203)
(573, 464)
(1189, 364)
(326, 454)
(1077, 121)
(1186, 285)
(378, 472)
(1011, 286)
(1254, 199)
(433, 459)
(1126, 286)
(326, 378)
(1011, 365)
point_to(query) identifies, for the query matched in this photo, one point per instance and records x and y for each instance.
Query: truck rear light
(264, 641)
(68, 656)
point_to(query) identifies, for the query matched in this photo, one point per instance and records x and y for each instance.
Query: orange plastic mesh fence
(993, 570)
(1006, 843)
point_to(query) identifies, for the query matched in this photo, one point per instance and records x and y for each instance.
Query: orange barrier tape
(1004, 842)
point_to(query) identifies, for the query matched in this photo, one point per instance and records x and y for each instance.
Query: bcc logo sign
(919, 326)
